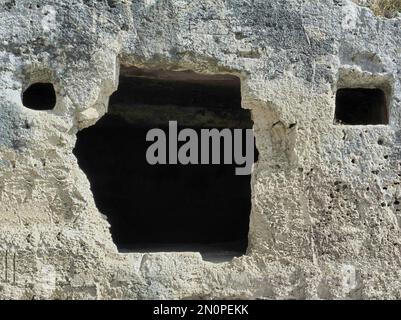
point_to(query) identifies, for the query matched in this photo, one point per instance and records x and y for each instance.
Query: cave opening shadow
(162, 208)
(361, 106)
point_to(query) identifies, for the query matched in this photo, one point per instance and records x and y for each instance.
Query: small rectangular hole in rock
(361, 106)
(153, 208)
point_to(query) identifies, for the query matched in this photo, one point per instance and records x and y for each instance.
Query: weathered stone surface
(326, 217)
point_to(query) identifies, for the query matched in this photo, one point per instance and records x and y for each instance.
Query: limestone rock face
(325, 220)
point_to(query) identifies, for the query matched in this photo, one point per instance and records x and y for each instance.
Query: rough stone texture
(326, 219)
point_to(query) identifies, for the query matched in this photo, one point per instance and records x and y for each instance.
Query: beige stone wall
(325, 222)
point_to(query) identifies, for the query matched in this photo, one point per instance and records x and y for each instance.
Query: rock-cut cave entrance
(155, 208)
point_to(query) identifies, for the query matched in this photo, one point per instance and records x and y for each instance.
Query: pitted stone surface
(325, 220)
